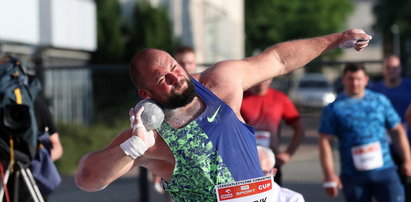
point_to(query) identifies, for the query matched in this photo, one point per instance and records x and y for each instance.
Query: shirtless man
(203, 140)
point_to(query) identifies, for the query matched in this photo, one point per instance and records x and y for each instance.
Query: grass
(79, 140)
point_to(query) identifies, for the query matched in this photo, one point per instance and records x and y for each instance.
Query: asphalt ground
(302, 174)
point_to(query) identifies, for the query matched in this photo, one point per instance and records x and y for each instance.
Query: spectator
(44, 171)
(358, 118)
(397, 90)
(185, 56)
(394, 86)
(264, 108)
(45, 123)
(267, 161)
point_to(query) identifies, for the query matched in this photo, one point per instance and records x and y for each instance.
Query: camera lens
(18, 114)
(16, 117)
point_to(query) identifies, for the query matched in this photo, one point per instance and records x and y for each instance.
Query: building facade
(50, 34)
(214, 28)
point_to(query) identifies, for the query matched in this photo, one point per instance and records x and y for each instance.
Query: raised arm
(230, 78)
(288, 56)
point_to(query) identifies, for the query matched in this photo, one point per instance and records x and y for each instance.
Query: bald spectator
(267, 161)
(397, 90)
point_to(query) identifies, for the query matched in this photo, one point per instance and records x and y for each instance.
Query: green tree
(388, 13)
(118, 42)
(110, 42)
(272, 21)
(151, 28)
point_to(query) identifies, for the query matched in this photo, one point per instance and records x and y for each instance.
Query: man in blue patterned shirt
(359, 119)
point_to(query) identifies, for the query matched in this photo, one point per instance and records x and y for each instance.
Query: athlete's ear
(144, 94)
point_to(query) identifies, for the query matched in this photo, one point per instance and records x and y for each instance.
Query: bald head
(267, 158)
(392, 71)
(145, 59)
(392, 62)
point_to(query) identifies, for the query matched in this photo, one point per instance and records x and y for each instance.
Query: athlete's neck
(181, 116)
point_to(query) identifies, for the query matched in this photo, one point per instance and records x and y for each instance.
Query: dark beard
(176, 100)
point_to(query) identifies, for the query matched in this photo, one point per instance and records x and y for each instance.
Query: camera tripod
(29, 181)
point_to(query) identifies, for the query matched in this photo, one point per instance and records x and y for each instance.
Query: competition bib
(367, 156)
(257, 189)
(263, 138)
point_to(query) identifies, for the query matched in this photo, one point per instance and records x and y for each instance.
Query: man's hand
(282, 158)
(138, 128)
(331, 185)
(354, 38)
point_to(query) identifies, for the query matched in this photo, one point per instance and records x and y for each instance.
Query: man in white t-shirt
(267, 161)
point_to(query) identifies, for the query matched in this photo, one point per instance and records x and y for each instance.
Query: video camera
(18, 127)
(18, 131)
(16, 118)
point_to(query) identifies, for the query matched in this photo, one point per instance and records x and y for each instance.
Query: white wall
(19, 21)
(214, 28)
(72, 24)
(64, 24)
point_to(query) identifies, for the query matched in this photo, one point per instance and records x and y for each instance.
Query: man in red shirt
(264, 108)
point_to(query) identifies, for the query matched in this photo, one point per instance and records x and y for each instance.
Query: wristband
(140, 125)
(134, 147)
(330, 184)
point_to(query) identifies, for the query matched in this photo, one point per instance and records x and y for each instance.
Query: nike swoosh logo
(211, 119)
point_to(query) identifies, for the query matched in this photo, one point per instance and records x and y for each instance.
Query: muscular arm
(288, 56)
(98, 169)
(229, 79)
(401, 144)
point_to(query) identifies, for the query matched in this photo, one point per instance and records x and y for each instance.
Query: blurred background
(80, 50)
